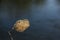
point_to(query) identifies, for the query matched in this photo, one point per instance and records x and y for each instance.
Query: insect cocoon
(21, 25)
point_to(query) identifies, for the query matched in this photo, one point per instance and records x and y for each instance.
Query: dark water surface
(44, 17)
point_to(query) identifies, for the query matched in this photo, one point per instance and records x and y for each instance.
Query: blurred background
(44, 17)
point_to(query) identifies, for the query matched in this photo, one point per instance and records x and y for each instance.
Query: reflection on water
(16, 3)
(39, 2)
(45, 20)
(58, 3)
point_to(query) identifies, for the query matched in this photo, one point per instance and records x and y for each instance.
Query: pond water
(44, 17)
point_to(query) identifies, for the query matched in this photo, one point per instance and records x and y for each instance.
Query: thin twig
(10, 35)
